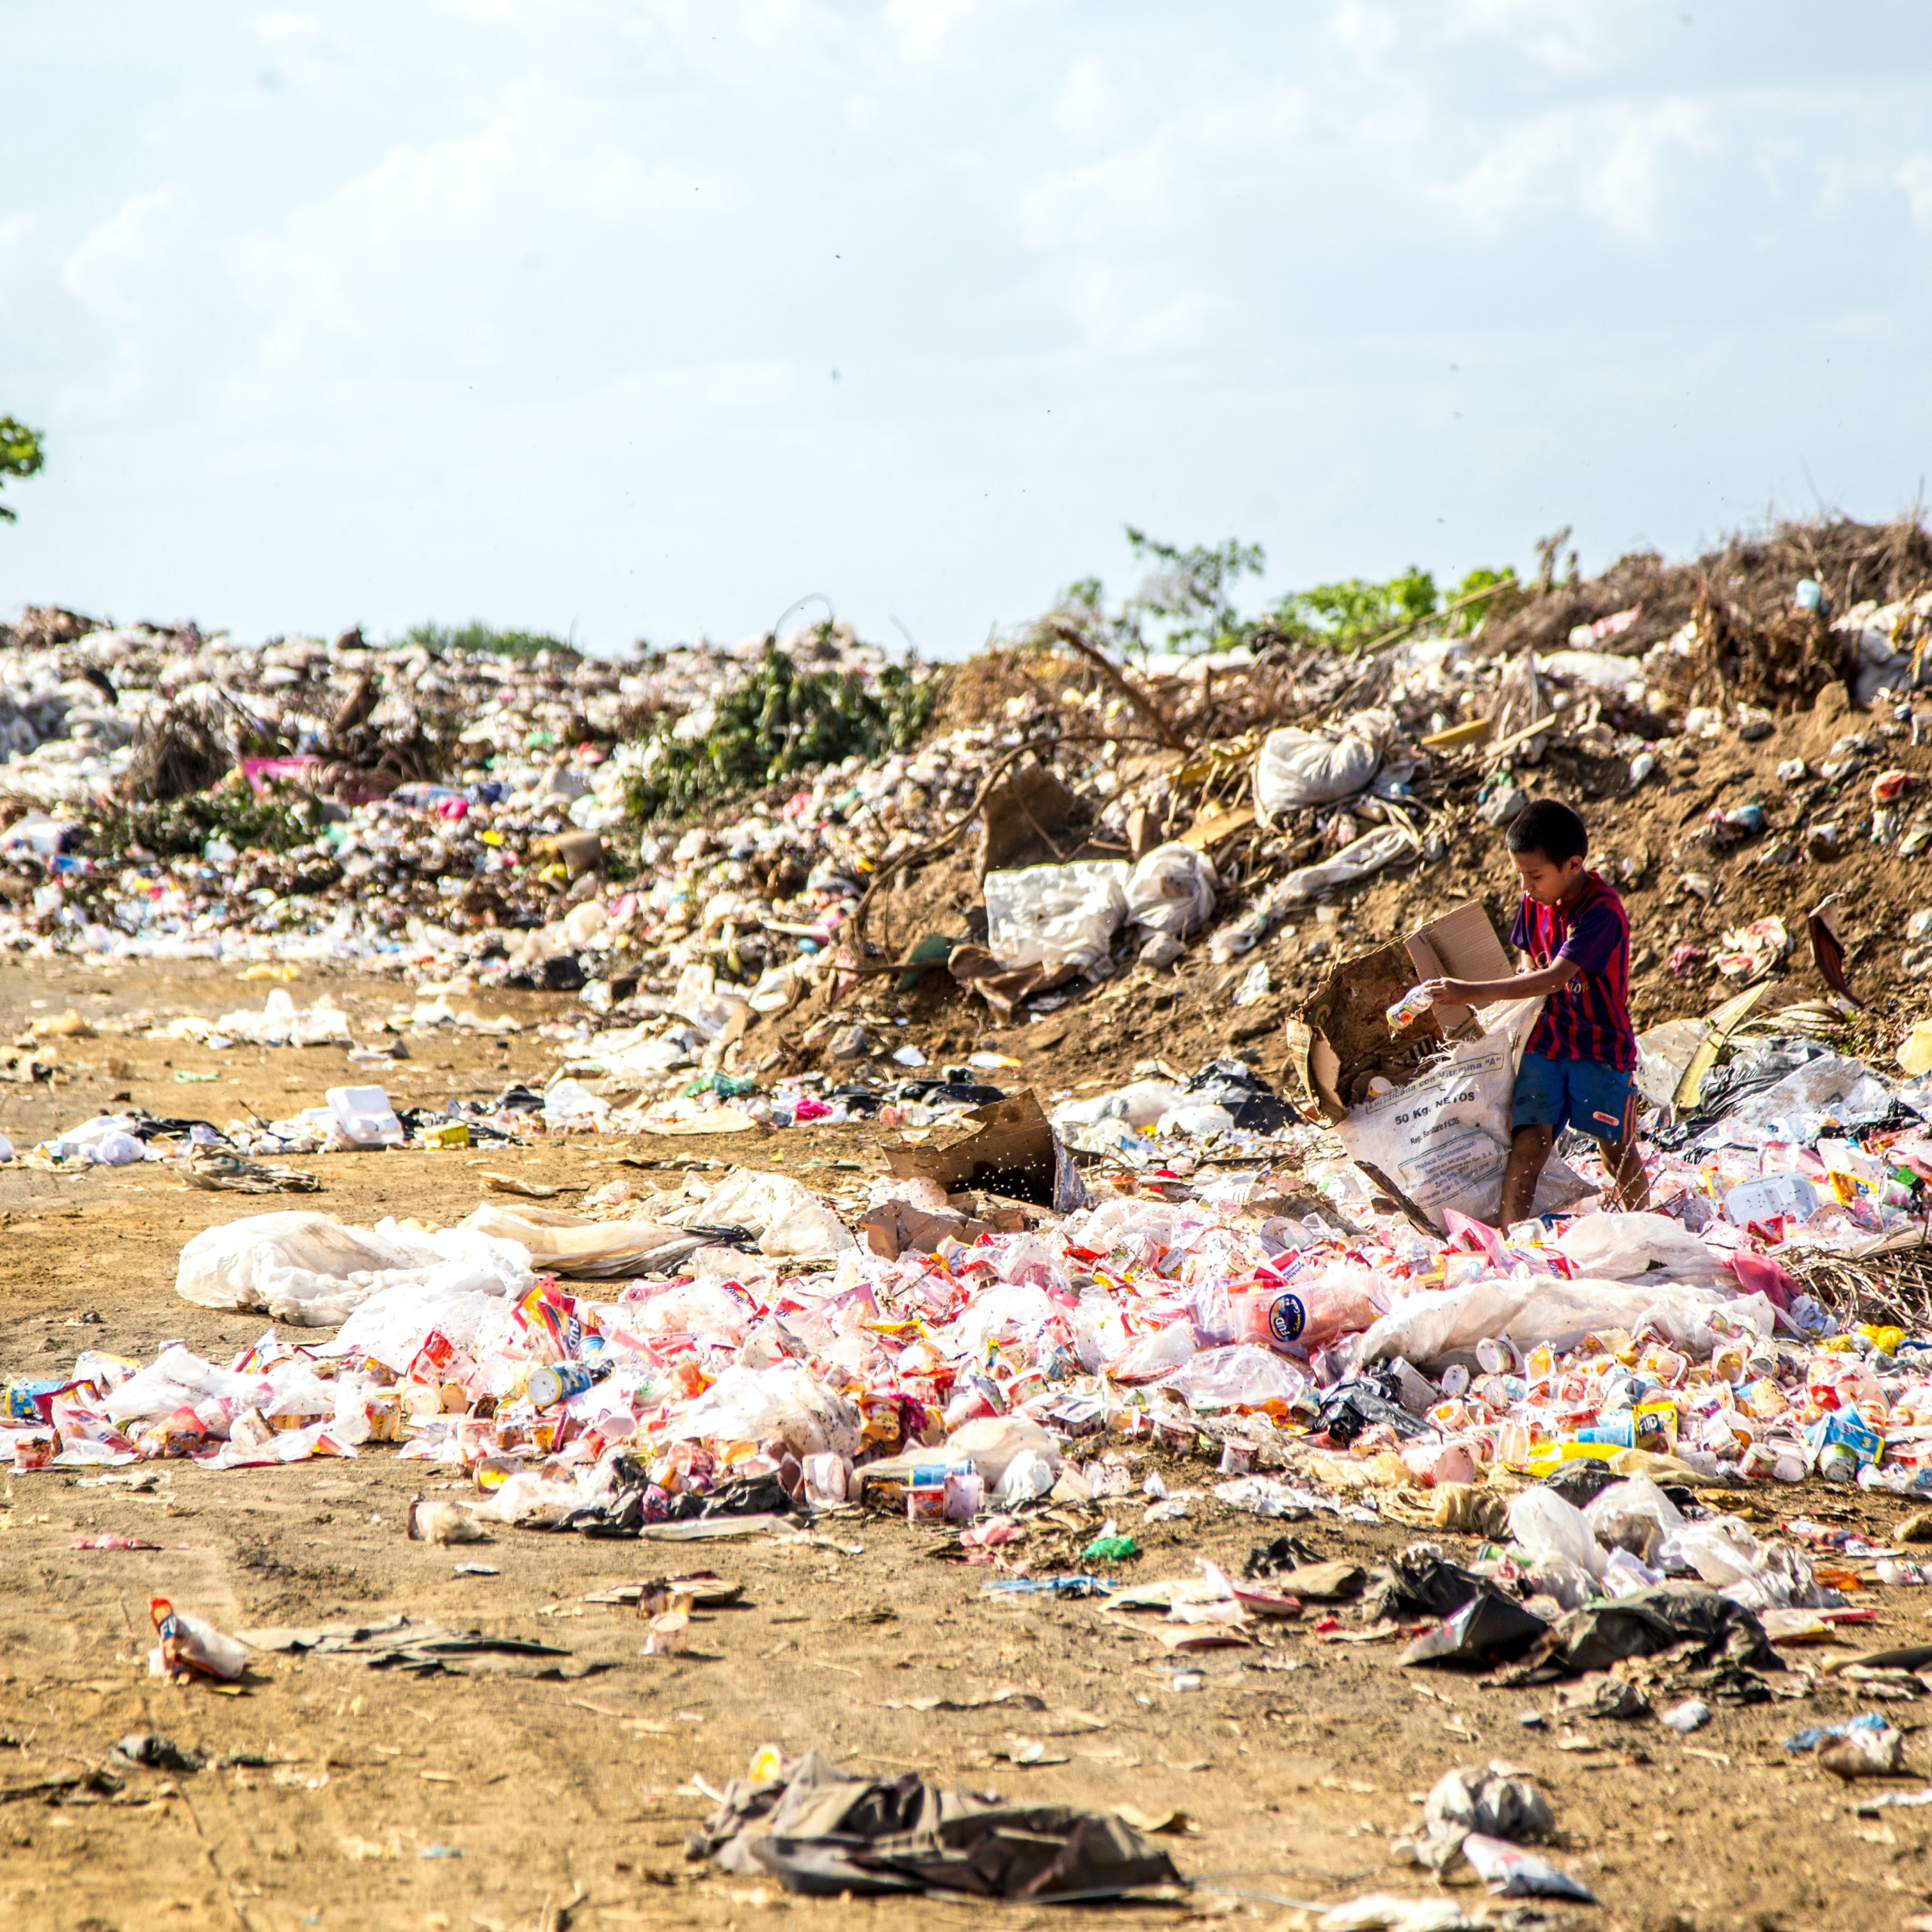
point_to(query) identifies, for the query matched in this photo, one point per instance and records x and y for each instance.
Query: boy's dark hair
(1548, 825)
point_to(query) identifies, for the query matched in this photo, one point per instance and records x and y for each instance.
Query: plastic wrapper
(1062, 918)
(1171, 890)
(1237, 1376)
(191, 1646)
(312, 1270)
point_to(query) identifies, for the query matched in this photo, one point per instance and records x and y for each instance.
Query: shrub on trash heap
(21, 454)
(485, 641)
(1186, 604)
(781, 722)
(1356, 610)
(282, 818)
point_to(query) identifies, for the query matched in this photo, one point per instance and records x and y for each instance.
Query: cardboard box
(1437, 1138)
(1342, 1038)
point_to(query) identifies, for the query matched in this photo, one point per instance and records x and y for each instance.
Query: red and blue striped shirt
(1589, 1019)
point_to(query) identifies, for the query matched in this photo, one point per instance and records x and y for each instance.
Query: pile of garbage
(745, 863)
(754, 1337)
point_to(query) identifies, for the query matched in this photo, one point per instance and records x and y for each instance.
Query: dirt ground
(340, 1796)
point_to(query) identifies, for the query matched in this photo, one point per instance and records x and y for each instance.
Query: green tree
(1191, 592)
(21, 455)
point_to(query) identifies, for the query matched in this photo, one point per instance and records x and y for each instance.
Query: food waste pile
(1159, 1227)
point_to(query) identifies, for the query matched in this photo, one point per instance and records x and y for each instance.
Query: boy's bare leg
(1529, 1149)
(1625, 1166)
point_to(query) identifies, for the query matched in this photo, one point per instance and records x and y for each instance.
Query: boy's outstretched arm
(1479, 992)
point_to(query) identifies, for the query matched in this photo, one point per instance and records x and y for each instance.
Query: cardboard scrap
(1012, 1151)
(1347, 1014)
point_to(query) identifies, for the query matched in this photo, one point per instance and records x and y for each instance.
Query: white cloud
(1567, 40)
(428, 248)
(1615, 162)
(1369, 32)
(1915, 176)
(1136, 315)
(1088, 108)
(335, 69)
(922, 31)
(1166, 180)
(15, 231)
(114, 270)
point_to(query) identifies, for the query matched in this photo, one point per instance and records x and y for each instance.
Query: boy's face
(1544, 882)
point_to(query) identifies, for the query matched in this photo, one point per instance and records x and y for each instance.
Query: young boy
(1582, 1052)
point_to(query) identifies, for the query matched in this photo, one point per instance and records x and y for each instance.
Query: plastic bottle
(551, 1384)
(189, 1646)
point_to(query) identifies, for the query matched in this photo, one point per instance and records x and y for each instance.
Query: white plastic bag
(1443, 1139)
(1427, 1326)
(1627, 1247)
(1296, 768)
(1028, 1477)
(1241, 1374)
(990, 1443)
(1664, 1054)
(1368, 853)
(1551, 1530)
(1171, 890)
(391, 1327)
(567, 1101)
(782, 1406)
(1721, 1551)
(104, 1141)
(1140, 1103)
(787, 1219)
(1796, 1108)
(312, 1271)
(1057, 917)
(1635, 1516)
(575, 1245)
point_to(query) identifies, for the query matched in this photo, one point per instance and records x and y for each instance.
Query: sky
(642, 319)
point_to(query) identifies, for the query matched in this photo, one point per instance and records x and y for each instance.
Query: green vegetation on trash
(485, 640)
(21, 454)
(1186, 603)
(280, 819)
(1356, 610)
(780, 723)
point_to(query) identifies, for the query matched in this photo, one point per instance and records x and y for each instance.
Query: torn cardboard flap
(1013, 1152)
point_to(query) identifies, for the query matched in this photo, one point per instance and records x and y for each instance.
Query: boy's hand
(1446, 993)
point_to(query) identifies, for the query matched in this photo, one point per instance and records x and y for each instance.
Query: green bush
(280, 819)
(485, 640)
(780, 723)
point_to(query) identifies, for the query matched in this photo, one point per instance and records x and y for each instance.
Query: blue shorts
(1594, 1099)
